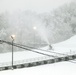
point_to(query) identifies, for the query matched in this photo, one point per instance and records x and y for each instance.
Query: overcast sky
(38, 6)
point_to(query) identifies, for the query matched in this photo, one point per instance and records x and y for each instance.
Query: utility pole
(13, 37)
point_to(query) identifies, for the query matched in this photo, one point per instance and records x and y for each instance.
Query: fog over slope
(52, 27)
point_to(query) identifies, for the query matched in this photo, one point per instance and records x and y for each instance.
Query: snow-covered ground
(65, 47)
(63, 68)
(20, 58)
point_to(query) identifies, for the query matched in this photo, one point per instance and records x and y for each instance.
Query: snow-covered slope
(23, 56)
(65, 46)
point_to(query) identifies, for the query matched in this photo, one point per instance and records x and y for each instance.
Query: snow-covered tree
(61, 23)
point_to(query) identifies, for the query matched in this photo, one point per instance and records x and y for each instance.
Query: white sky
(38, 6)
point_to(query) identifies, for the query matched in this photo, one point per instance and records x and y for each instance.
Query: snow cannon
(50, 47)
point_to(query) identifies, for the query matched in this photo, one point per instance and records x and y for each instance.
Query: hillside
(66, 46)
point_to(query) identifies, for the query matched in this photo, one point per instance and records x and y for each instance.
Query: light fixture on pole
(13, 37)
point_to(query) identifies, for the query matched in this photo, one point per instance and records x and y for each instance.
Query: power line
(14, 44)
(46, 51)
(23, 47)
